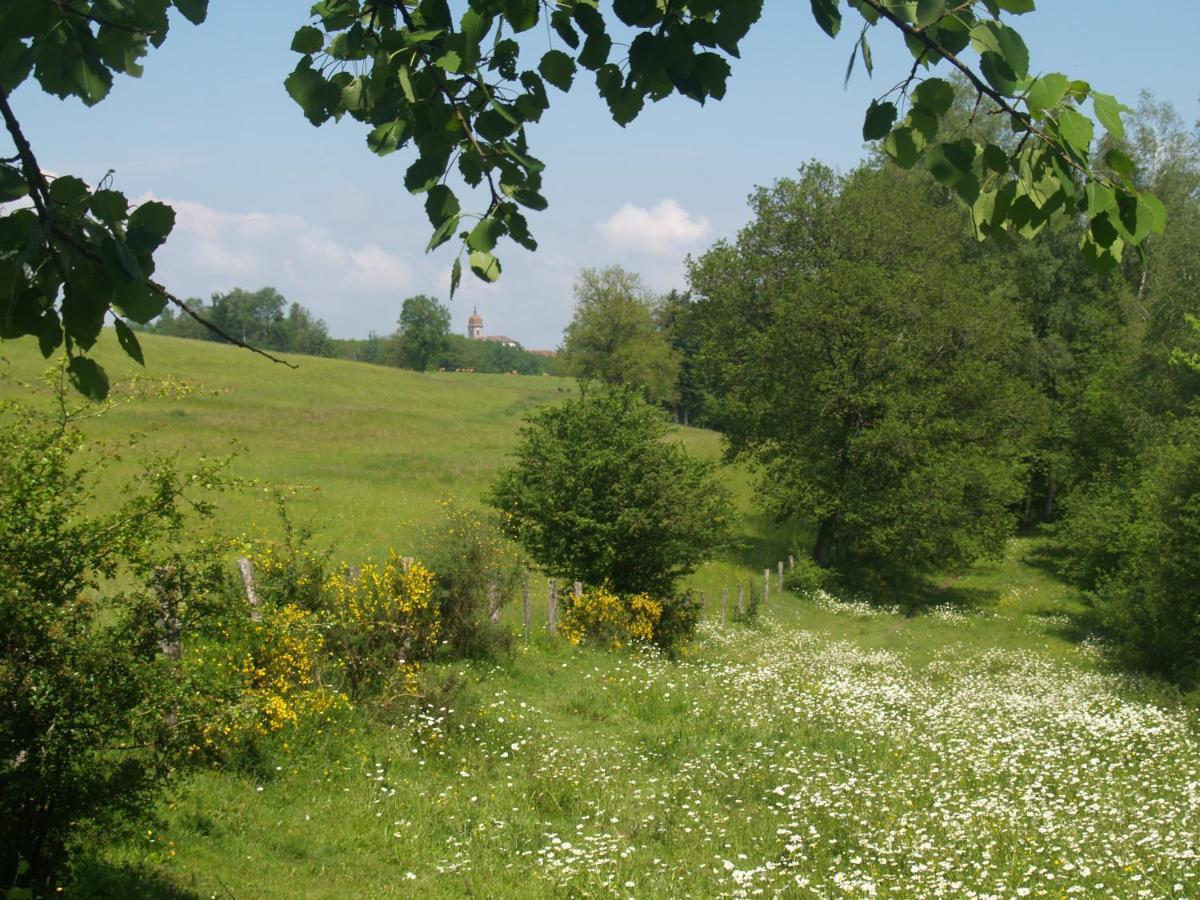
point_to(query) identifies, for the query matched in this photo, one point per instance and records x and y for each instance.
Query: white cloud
(665, 229)
(353, 287)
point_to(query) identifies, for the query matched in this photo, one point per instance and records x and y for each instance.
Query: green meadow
(982, 746)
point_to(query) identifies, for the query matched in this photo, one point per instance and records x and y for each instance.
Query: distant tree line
(421, 341)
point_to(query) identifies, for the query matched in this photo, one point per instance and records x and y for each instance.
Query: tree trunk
(823, 551)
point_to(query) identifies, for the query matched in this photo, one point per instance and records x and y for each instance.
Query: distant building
(475, 332)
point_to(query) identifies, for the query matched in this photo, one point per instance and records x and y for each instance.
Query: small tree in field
(599, 495)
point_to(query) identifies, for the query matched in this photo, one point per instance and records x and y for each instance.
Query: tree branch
(978, 83)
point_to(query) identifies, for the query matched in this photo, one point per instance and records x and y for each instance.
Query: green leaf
(109, 207)
(1108, 111)
(386, 138)
(934, 94)
(316, 96)
(999, 74)
(1120, 163)
(195, 11)
(900, 146)
(1077, 130)
(595, 51)
(441, 205)
(557, 68)
(12, 184)
(308, 40)
(485, 234)
(828, 16)
(484, 265)
(68, 190)
(1016, 7)
(88, 377)
(949, 162)
(879, 120)
(129, 342)
(929, 11)
(424, 174)
(138, 301)
(1100, 197)
(149, 226)
(995, 158)
(455, 275)
(1046, 92)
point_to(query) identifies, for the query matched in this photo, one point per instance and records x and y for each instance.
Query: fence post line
(552, 623)
(528, 607)
(252, 598)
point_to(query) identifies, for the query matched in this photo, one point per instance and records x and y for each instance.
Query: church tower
(475, 325)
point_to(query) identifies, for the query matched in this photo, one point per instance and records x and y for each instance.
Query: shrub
(1150, 598)
(86, 695)
(598, 494)
(806, 578)
(677, 624)
(255, 679)
(380, 621)
(478, 573)
(608, 620)
(288, 571)
(748, 614)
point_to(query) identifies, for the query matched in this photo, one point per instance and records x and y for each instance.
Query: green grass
(983, 744)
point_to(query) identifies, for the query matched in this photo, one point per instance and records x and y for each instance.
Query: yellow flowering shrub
(382, 619)
(262, 684)
(609, 620)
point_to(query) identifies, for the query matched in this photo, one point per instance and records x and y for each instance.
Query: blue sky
(265, 199)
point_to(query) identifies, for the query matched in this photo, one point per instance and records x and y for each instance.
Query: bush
(598, 494)
(748, 614)
(677, 624)
(1150, 598)
(478, 573)
(288, 571)
(87, 697)
(806, 578)
(381, 622)
(608, 620)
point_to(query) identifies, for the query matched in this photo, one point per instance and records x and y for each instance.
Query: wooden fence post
(406, 563)
(766, 584)
(494, 604)
(724, 598)
(252, 598)
(552, 623)
(791, 563)
(741, 598)
(779, 581)
(578, 590)
(528, 608)
(703, 605)
(166, 585)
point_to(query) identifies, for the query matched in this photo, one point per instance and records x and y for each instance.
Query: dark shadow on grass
(102, 881)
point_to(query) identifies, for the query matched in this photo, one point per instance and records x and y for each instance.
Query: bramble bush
(478, 574)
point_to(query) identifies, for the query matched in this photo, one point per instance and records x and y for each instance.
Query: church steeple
(475, 325)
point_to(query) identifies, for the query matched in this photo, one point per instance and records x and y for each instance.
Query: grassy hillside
(983, 747)
(368, 450)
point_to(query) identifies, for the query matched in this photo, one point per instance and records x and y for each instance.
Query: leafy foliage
(85, 691)
(478, 574)
(454, 87)
(872, 385)
(424, 329)
(599, 495)
(613, 336)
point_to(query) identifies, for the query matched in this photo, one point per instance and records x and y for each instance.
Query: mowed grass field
(982, 747)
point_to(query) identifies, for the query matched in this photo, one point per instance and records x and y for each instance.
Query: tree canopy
(424, 331)
(459, 91)
(613, 335)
